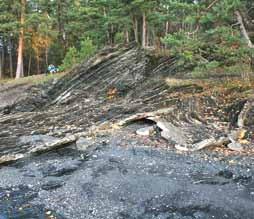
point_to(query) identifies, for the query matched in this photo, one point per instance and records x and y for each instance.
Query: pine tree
(8, 32)
(20, 64)
(42, 31)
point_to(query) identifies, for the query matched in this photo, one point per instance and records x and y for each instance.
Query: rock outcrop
(117, 87)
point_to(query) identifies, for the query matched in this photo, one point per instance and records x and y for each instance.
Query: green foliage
(209, 50)
(87, 49)
(119, 38)
(8, 22)
(73, 56)
(70, 59)
(185, 48)
(202, 35)
(56, 53)
(216, 71)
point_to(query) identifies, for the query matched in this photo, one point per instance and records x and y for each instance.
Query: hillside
(127, 130)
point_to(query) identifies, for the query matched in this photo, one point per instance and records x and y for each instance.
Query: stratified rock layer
(126, 84)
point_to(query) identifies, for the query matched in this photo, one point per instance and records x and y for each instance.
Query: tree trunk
(147, 36)
(144, 43)
(38, 64)
(107, 32)
(3, 59)
(127, 38)
(1, 68)
(61, 26)
(29, 64)
(46, 56)
(243, 29)
(153, 38)
(166, 28)
(166, 32)
(135, 29)
(10, 58)
(112, 35)
(20, 67)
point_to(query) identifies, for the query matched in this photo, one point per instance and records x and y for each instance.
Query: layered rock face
(117, 87)
(109, 140)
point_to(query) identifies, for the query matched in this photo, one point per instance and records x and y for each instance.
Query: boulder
(171, 132)
(146, 131)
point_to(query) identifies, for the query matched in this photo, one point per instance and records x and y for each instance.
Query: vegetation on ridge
(205, 36)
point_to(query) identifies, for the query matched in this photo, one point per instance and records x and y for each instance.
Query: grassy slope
(33, 80)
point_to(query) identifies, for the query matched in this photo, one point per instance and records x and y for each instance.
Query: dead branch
(243, 29)
(243, 114)
(212, 4)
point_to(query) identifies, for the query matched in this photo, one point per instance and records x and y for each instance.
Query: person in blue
(52, 69)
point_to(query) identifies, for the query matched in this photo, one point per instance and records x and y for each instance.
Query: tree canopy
(202, 34)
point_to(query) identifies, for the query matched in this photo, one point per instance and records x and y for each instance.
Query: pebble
(235, 146)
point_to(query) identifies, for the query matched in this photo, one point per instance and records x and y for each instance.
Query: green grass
(33, 80)
(230, 71)
(173, 82)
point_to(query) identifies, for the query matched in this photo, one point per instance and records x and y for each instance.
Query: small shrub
(70, 59)
(87, 49)
(74, 56)
(119, 38)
